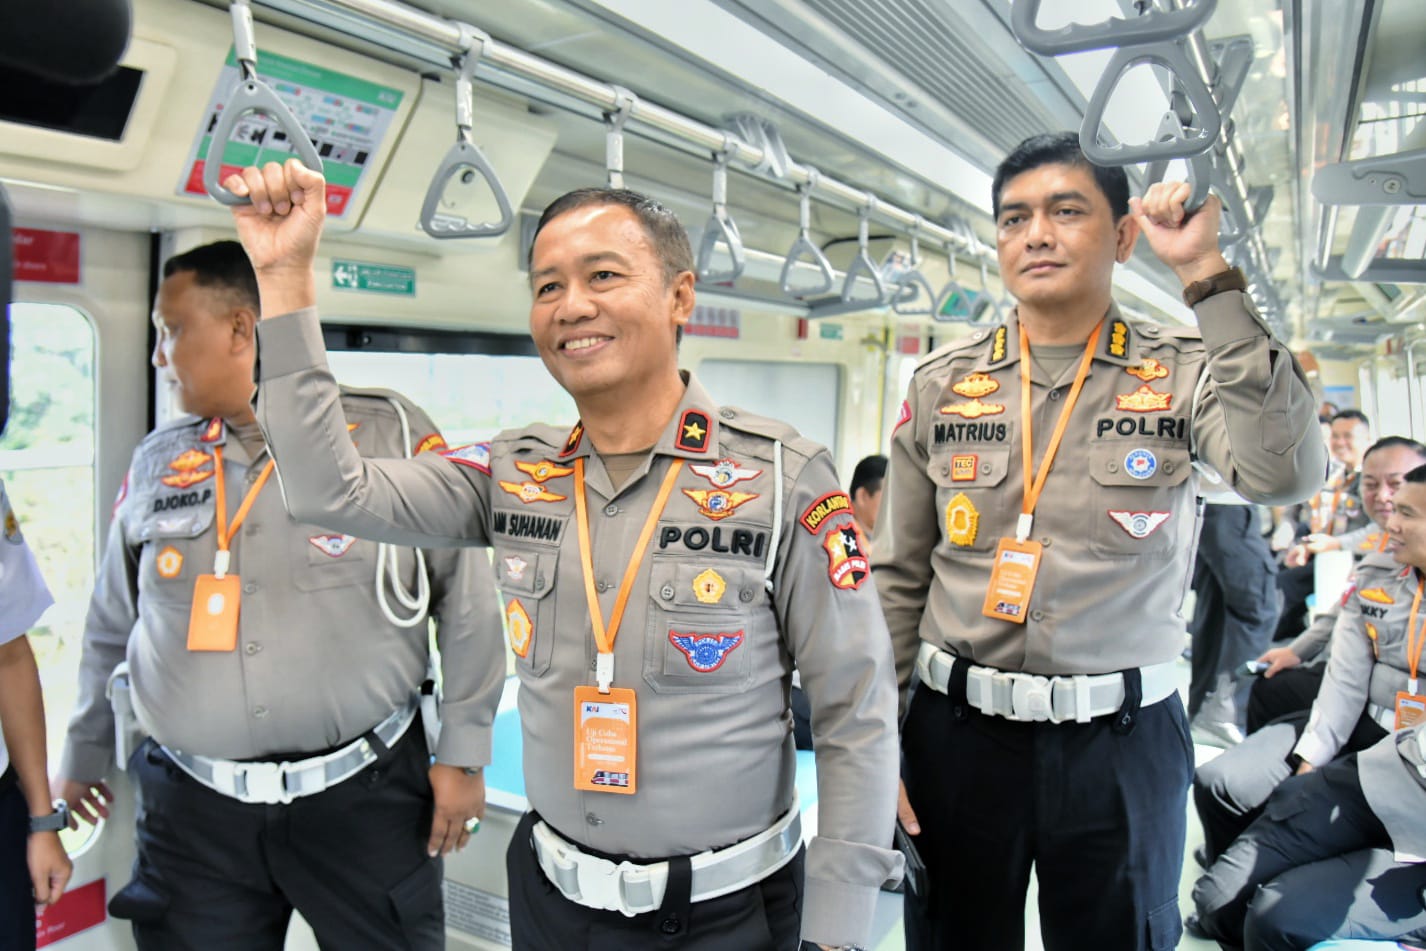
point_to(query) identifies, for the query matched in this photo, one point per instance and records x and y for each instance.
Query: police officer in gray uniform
(287, 765)
(663, 564)
(1036, 593)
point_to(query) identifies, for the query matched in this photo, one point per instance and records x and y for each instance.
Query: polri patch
(519, 626)
(692, 431)
(1143, 400)
(528, 492)
(725, 473)
(706, 652)
(974, 409)
(544, 470)
(1141, 463)
(1139, 524)
(718, 504)
(847, 564)
(476, 455)
(333, 545)
(819, 511)
(963, 467)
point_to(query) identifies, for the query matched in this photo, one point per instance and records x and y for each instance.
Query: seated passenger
(1337, 854)
(1294, 673)
(1374, 658)
(315, 673)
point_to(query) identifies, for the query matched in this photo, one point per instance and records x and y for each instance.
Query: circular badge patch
(1140, 463)
(169, 563)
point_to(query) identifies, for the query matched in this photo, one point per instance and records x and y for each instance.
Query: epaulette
(955, 348)
(371, 392)
(1171, 334)
(775, 430)
(553, 437)
(183, 421)
(1379, 561)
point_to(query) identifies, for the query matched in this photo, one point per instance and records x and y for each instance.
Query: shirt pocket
(702, 617)
(972, 511)
(326, 559)
(177, 549)
(525, 577)
(1138, 499)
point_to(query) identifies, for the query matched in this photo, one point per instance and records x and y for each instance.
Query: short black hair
(1060, 148)
(1353, 414)
(665, 232)
(222, 264)
(868, 474)
(1417, 475)
(1395, 442)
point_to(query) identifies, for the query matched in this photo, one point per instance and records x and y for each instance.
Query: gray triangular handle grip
(253, 95)
(914, 297)
(1153, 26)
(720, 229)
(862, 265)
(953, 288)
(1205, 109)
(804, 248)
(438, 224)
(1200, 167)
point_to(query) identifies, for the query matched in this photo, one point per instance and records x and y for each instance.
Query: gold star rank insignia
(692, 431)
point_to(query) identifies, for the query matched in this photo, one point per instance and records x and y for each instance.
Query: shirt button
(592, 819)
(602, 586)
(250, 587)
(1112, 467)
(1168, 467)
(945, 470)
(666, 592)
(727, 413)
(1054, 394)
(1046, 542)
(259, 712)
(1037, 615)
(251, 530)
(611, 510)
(745, 595)
(252, 648)
(540, 583)
(985, 468)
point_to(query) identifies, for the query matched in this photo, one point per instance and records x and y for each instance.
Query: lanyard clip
(604, 671)
(220, 562)
(1023, 526)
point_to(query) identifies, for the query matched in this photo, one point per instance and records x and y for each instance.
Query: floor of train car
(887, 932)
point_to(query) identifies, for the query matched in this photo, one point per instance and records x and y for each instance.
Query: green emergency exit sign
(374, 278)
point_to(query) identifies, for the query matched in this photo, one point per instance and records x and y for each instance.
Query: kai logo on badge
(1148, 371)
(475, 455)
(168, 563)
(544, 470)
(976, 385)
(706, 652)
(528, 492)
(519, 626)
(708, 586)
(333, 546)
(975, 409)
(1143, 400)
(962, 521)
(1139, 524)
(963, 468)
(716, 503)
(1141, 463)
(846, 551)
(725, 473)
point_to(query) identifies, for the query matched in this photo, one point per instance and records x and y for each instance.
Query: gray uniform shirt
(1393, 777)
(1368, 657)
(1313, 642)
(1117, 516)
(316, 664)
(706, 643)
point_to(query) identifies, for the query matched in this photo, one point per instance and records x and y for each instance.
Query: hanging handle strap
(624, 102)
(1151, 26)
(804, 248)
(250, 96)
(914, 296)
(465, 160)
(720, 229)
(862, 266)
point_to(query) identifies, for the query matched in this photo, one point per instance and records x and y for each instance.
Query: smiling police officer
(663, 563)
(1033, 549)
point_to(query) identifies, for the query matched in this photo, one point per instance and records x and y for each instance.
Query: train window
(471, 396)
(47, 462)
(806, 395)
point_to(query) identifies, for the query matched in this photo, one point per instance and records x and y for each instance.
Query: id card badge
(606, 738)
(213, 619)
(1012, 580)
(1410, 709)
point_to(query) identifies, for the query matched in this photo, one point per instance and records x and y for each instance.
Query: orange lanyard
(1035, 484)
(1382, 540)
(1415, 639)
(1319, 523)
(226, 532)
(604, 638)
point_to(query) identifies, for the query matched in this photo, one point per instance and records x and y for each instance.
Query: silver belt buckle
(266, 783)
(1030, 698)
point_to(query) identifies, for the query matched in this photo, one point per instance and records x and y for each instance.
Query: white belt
(1032, 697)
(633, 889)
(1384, 716)
(273, 783)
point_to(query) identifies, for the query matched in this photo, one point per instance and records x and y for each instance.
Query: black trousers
(1098, 807)
(1295, 584)
(1316, 865)
(1285, 692)
(1229, 790)
(17, 896)
(216, 874)
(1234, 613)
(766, 916)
